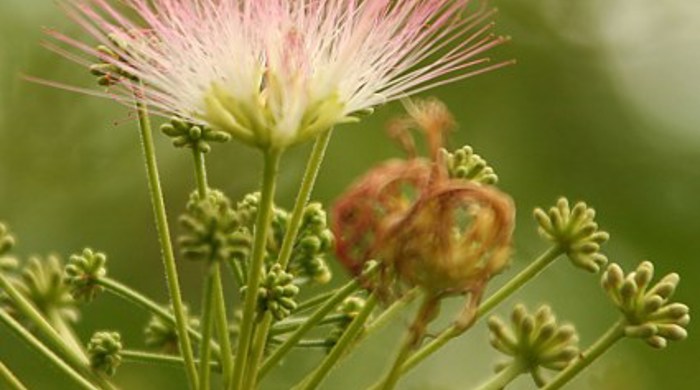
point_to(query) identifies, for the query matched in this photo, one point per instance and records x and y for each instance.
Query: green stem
(75, 357)
(222, 327)
(292, 324)
(200, 173)
(150, 306)
(160, 359)
(33, 342)
(315, 301)
(9, 379)
(503, 378)
(161, 218)
(339, 350)
(207, 328)
(262, 226)
(607, 340)
(494, 300)
(307, 184)
(330, 304)
(383, 319)
(414, 335)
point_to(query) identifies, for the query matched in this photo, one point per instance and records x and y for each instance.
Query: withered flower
(446, 235)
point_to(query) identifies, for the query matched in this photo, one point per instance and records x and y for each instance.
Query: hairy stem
(167, 253)
(33, 342)
(607, 340)
(489, 304)
(340, 349)
(9, 379)
(262, 227)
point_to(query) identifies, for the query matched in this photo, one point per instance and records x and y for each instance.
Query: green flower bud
(193, 136)
(465, 164)
(314, 241)
(648, 312)
(41, 281)
(161, 334)
(213, 231)
(82, 273)
(277, 292)
(534, 342)
(349, 308)
(575, 231)
(104, 350)
(7, 241)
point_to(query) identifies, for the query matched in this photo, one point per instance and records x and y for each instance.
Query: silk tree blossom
(276, 72)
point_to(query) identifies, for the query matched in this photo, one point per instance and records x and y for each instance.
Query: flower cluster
(576, 232)
(104, 349)
(277, 292)
(193, 136)
(82, 273)
(212, 228)
(534, 342)
(648, 310)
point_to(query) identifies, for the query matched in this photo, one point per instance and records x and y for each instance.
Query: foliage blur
(602, 106)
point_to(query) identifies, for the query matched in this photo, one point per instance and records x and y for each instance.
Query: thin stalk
(147, 304)
(168, 256)
(383, 319)
(339, 350)
(175, 361)
(315, 301)
(9, 379)
(262, 227)
(65, 331)
(307, 184)
(607, 340)
(75, 357)
(207, 328)
(292, 324)
(313, 166)
(222, 327)
(200, 172)
(503, 378)
(414, 335)
(33, 342)
(330, 304)
(494, 300)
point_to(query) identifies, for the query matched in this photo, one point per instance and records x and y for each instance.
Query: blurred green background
(603, 105)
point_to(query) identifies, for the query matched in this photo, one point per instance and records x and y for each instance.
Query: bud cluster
(534, 342)
(212, 228)
(575, 231)
(161, 334)
(194, 136)
(108, 73)
(83, 272)
(7, 240)
(313, 242)
(349, 309)
(41, 281)
(648, 311)
(277, 293)
(104, 350)
(465, 164)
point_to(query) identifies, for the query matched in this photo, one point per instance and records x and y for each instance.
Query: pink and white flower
(275, 72)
